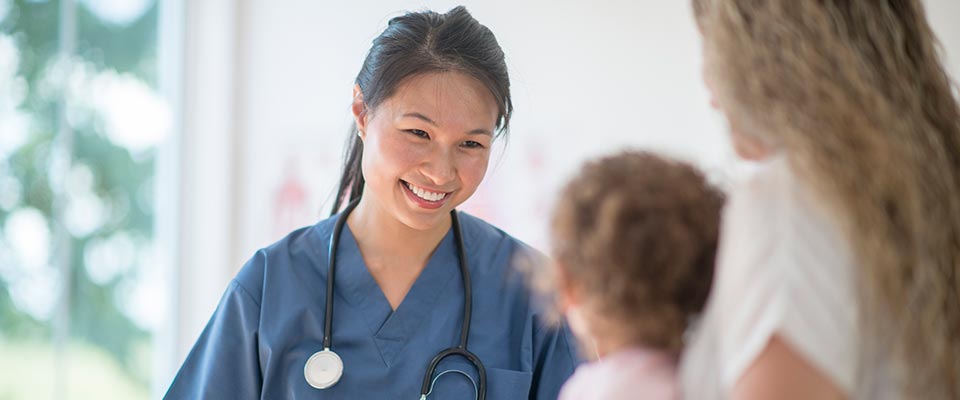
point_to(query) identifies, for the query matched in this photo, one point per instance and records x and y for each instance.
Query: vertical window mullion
(61, 159)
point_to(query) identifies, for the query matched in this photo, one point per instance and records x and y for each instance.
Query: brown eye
(470, 144)
(418, 133)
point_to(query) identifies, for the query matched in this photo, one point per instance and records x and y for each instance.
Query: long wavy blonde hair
(855, 93)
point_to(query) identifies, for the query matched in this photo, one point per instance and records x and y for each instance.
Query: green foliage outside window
(101, 204)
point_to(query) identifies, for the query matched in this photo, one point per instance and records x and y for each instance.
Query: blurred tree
(113, 114)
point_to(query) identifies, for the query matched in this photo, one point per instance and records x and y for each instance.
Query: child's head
(634, 237)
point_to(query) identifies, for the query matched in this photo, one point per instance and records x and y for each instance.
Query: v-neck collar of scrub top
(392, 329)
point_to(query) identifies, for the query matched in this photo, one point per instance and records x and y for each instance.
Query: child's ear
(567, 293)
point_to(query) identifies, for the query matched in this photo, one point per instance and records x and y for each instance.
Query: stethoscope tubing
(331, 273)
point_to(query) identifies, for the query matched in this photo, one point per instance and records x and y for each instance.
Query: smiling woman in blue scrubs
(430, 99)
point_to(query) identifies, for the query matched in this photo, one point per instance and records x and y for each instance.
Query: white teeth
(425, 194)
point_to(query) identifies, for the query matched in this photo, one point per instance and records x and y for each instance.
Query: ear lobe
(567, 295)
(359, 110)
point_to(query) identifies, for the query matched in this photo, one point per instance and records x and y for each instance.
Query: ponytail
(351, 179)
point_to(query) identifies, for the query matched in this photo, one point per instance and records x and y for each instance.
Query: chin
(747, 147)
(423, 219)
(424, 222)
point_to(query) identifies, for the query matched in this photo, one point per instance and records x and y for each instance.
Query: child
(634, 237)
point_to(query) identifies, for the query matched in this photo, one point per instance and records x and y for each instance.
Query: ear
(359, 110)
(567, 295)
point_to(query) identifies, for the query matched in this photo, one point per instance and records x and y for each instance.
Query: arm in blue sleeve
(224, 363)
(557, 358)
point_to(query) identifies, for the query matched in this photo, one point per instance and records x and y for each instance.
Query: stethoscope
(324, 368)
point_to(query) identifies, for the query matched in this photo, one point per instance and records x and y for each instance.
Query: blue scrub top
(270, 321)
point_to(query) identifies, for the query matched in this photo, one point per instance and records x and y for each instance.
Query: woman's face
(426, 148)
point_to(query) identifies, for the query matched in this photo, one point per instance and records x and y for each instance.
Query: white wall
(944, 15)
(588, 77)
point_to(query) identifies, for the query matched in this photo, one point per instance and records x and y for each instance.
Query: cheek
(472, 169)
(387, 156)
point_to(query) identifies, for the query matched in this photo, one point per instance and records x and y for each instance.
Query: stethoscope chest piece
(323, 369)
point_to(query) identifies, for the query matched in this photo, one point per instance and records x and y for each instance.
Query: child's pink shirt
(634, 373)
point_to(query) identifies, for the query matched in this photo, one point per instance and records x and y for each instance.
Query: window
(81, 294)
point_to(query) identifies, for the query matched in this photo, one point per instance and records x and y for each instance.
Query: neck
(613, 339)
(381, 235)
(610, 344)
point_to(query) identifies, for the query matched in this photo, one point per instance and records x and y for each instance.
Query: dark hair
(418, 43)
(638, 234)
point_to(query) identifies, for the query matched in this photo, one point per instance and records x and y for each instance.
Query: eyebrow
(424, 118)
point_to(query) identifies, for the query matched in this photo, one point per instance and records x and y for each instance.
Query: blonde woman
(837, 273)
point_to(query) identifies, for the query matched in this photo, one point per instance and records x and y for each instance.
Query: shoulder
(776, 226)
(491, 246)
(784, 267)
(301, 251)
(505, 262)
(501, 263)
(763, 195)
(481, 232)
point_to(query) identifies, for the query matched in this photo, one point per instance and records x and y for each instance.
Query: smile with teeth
(424, 193)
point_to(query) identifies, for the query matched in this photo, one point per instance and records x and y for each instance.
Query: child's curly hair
(637, 234)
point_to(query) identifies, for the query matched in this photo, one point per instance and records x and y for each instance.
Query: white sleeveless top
(784, 267)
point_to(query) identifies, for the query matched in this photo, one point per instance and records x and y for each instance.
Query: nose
(441, 167)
